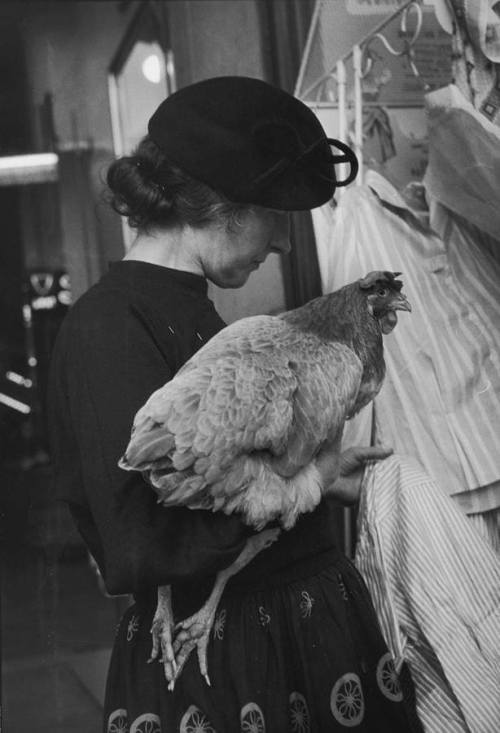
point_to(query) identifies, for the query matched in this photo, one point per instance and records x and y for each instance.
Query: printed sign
(390, 77)
(372, 7)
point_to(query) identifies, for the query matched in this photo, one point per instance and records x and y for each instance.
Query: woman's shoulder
(112, 316)
(152, 291)
(99, 309)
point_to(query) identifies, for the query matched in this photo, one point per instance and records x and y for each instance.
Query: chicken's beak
(389, 320)
(400, 303)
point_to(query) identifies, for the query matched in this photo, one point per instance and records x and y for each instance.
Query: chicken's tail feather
(148, 448)
(180, 488)
(250, 487)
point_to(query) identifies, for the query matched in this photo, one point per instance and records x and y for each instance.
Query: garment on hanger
(476, 54)
(440, 401)
(377, 125)
(435, 585)
(488, 523)
(463, 171)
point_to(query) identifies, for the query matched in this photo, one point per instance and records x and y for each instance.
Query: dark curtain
(285, 24)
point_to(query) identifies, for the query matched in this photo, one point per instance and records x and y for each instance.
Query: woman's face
(233, 255)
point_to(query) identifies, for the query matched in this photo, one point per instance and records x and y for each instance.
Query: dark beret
(250, 141)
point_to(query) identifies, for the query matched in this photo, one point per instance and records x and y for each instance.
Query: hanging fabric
(441, 397)
(435, 585)
(463, 172)
(476, 54)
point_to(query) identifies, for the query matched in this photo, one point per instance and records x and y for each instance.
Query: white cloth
(463, 171)
(488, 526)
(435, 585)
(440, 401)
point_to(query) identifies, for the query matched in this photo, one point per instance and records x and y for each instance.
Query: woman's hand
(351, 465)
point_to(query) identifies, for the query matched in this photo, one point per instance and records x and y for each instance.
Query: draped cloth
(440, 401)
(463, 173)
(436, 589)
(476, 54)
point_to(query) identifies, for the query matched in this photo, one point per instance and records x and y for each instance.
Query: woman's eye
(382, 292)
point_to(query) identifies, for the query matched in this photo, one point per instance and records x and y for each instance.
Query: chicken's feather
(251, 408)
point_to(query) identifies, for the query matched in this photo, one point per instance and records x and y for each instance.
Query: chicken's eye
(382, 292)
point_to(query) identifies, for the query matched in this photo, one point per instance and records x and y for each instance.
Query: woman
(295, 646)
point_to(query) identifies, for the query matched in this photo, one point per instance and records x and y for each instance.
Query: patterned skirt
(298, 654)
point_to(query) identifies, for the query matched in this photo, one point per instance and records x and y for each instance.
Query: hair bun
(153, 192)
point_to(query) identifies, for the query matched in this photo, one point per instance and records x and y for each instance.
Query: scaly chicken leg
(194, 632)
(161, 630)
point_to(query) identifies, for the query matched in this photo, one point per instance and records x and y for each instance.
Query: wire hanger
(408, 44)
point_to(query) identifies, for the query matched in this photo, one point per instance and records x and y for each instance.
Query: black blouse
(123, 339)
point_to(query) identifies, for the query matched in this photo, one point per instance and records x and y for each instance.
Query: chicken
(238, 428)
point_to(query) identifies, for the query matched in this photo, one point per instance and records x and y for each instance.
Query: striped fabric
(488, 526)
(441, 398)
(435, 585)
(463, 170)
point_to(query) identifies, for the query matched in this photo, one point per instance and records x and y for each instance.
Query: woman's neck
(175, 248)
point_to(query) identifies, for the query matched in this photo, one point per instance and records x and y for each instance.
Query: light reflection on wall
(141, 86)
(152, 68)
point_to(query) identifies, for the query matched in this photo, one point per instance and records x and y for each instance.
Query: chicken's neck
(343, 317)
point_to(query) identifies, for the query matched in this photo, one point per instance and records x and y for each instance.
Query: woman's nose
(283, 245)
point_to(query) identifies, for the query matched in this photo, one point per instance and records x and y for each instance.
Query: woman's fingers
(356, 457)
(346, 488)
(374, 452)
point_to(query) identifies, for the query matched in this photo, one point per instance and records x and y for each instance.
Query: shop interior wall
(69, 47)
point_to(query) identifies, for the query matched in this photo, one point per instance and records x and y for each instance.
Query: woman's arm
(106, 365)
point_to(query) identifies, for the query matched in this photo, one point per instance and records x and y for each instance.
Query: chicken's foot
(161, 630)
(194, 632)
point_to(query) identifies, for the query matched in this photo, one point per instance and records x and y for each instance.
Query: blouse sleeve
(111, 366)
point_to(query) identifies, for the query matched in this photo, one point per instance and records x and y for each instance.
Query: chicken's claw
(194, 632)
(161, 632)
(183, 650)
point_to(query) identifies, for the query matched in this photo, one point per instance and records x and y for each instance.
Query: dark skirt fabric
(298, 654)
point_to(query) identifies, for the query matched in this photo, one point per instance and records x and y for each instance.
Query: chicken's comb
(380, 276)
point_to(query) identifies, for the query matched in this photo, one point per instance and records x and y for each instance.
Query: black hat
(250, 141)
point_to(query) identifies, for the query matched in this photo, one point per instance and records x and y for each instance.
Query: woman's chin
(234, 279)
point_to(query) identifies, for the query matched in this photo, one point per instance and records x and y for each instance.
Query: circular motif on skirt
(346, 700)
(387, 678)
(299, 714)
(146, 723)
(252, 719)
(118, 721)
(195, 721)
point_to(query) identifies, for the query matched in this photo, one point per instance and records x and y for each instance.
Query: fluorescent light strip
(35, 160)
(15, 404)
